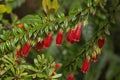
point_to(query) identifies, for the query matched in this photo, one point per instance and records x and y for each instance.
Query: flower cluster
(24, 50)
(94, 57)
(73, 35)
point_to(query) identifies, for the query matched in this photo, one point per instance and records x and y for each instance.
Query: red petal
(85, 66)
(101, 42)
(70, 36)
(71, 77)
(77, 32)
(18, 52)
(59, 38)
(58, 65)
(25, 49)
(95, 58)
(39, 46)
(47, 41)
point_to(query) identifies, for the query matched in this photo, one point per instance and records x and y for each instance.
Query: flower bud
(58, 65)
(85, 65)
(25, 49)
(70, 36)
(101, 42)
(39, 46)
(70, 77)
(94, 58)
(59, 38)
(77, 33)
(47, 41)
(18, 52)
(20, 25)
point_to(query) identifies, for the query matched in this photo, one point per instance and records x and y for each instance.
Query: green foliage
(11, 68)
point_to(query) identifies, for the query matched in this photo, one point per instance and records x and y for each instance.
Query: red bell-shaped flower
(25, 49)
(39, 45)
(18, 52)
(70, 36)
(47, 41)
(59, 38)
(58, 65)
(85, 66)
(70, 77)
(77, 33)
(101, 42)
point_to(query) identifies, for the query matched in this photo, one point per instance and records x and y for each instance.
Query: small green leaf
(9, 78)
(1, 16)
(57, 76)
(46, 4)
(8, 9)
(24, 74)
(2, 8)
(36, 62)
(55, 5)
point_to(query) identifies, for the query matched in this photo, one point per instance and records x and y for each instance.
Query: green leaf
(2, 8)
(30, 19)
(5, 70)
(57, 76)
(55, 5)
(31, 68)
(9, 78)
(46, 4)
(24, 74)
(41, 75)
(36, 62)
(14, 17)
(107, 30)
(1, 16)
(33, 75)
(8, 9)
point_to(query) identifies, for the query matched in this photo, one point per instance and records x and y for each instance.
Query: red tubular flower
(39, 45)
(18, 52)
(78, 31)
(70, 36)
(58, 65)
(25, 49)
(85, 66)
(70, 77)
(94, 58)
(54, 69)
(101, 42)
(59, 38)
(47, 41)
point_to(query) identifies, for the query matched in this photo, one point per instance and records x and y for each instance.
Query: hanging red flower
(101, 42)
(95, 58)
(25, 49)
(18, 52)
(70, 36)
(85, 66)
(70, 77)
(58, 65)
(77, 33)
(54, 69)
(47, 41)
(39, 45)
(59, 38)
